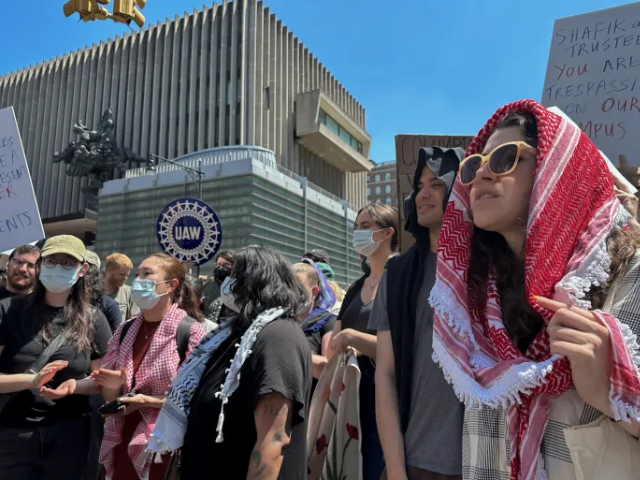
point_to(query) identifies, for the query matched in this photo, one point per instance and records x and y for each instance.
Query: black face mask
(220, 272)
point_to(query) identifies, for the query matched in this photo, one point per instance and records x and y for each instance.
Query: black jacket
(405, 273)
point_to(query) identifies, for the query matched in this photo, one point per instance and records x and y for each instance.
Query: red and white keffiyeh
(154, 377)
(573, 210)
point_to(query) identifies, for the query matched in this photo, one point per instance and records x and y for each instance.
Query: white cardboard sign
(593, 75)
(19, 215)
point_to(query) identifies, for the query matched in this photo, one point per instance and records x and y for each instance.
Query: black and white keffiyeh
(171, 426)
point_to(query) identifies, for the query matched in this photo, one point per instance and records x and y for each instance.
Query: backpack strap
(125, 329)
(182, 335)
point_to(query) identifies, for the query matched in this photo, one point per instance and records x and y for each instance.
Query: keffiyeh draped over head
(572, 211)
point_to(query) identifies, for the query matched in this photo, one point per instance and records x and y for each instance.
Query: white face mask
(363, 242)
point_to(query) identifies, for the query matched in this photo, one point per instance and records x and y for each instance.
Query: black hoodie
(406, 273)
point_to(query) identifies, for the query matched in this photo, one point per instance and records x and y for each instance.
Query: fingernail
(536, 297)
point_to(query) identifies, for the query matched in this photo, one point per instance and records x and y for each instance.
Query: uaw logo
(189, 230)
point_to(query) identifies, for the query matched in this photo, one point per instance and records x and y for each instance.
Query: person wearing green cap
(42, 435)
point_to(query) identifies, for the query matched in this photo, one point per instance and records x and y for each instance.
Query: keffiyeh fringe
(171, 426)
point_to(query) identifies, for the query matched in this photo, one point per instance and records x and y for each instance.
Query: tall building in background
(381, 184)
(258, 201)
(231, 74)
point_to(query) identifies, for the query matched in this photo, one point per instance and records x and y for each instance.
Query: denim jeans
(371, 448)
(56, 452)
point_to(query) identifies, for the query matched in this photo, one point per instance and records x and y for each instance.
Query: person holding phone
(140, 364)
(44, 437)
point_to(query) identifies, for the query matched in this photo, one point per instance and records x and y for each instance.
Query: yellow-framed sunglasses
(502, 160)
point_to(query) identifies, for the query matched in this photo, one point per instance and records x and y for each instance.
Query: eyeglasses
(19, 263)
(67, 263)
(502, 160)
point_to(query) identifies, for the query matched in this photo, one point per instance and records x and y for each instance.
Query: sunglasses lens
(503, 159)
(470, 168)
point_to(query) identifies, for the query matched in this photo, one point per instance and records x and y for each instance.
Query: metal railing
(219, 155)
(211, 156)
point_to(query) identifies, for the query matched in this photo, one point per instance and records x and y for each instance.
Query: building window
(387, 189)
(378, 200)
(377, 190)
(267, 98)
(368, 178)
(377, 178)
(388, 201)
(368, 191)
(387, 176)
(333, 125)
(343, 133)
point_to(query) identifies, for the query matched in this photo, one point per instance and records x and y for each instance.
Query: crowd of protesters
(501, 345)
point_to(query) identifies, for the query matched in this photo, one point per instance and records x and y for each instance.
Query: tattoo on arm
(273, 423)
(283, 429)
(257, 469)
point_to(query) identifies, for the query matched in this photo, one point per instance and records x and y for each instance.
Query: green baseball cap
(327, 271)
(66, 244)
(92, 258)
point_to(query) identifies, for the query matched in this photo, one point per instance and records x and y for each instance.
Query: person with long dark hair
(375, 237)
(43, 438)
(239, 406)
(536, 310)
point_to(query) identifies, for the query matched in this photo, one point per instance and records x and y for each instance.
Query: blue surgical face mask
(57, 279)
(143, 293)
(226, 297)
(363, 242)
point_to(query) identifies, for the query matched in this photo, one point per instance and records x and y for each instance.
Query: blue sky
(417, 66)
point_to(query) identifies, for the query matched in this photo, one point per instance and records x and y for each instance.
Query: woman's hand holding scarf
(578, 335)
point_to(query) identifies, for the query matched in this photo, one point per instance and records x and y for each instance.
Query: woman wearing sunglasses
(536, 304)
(41, 437)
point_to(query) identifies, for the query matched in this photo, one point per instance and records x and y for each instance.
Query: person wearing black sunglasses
(21, 271)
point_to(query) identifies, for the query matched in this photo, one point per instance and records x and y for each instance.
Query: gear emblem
(189, 230)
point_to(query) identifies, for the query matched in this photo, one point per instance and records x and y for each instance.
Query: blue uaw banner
(189, 230)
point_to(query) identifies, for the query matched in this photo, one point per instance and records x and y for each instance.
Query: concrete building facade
(258, 202)
(382, 185)
(231, 74)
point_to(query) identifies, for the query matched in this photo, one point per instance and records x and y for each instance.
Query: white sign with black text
(19, 215)
(593, 76)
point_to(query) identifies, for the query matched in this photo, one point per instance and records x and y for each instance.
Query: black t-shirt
(4, 293)
(23, 346)
(356, 314)
(111, 311)
(314, 336)
(280, 362)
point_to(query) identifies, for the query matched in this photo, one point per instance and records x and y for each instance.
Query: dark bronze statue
(96, 154)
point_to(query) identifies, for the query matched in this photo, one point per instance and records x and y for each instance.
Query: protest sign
(407, 148)
(19, 215)
(593, 75)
